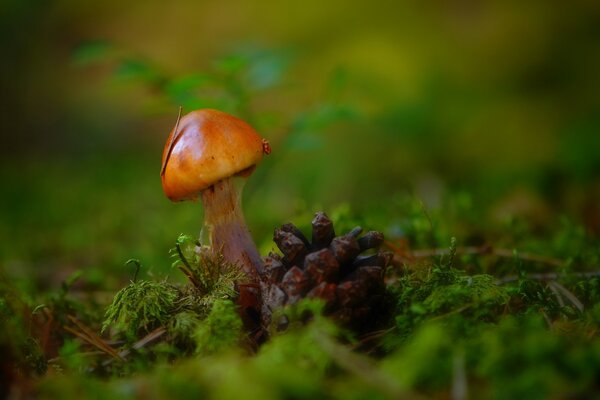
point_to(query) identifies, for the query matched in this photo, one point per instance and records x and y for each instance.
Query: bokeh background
(482, 117)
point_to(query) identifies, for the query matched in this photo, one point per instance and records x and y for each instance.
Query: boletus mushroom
(210, 154)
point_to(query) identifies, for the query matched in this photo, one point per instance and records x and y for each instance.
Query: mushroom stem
(225, 228)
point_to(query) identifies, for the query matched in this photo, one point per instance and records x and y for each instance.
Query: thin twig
(460, 387)
(568, 294)
(556, 293)
(547, 319)
(456, 311)
(548, 276)
(171, 143)
(143, 342)
(483, 250)
(372, 336)
(89, 336)
(474, 250)
(146, 340)
(94, 353)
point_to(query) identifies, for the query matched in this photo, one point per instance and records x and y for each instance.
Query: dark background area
(483, 114)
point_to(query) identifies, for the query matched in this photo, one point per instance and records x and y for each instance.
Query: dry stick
(556, 294)
(498, 252)
(476, 250)
(91, 337)
(171, 143)
(460, 387)
(566, 293)
(87, 339)
(95, 339)
(143, 342)
(371, 337)
(473, 250)
(146, 340)
(549, 276)
(547, 319)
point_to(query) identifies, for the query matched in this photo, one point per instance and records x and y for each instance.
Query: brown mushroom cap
(205, 147)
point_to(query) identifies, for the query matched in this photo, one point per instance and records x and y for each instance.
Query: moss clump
(199, 315)
(220, 330)
(443, 291)
(141, 306)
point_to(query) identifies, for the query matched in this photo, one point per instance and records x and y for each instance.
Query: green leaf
(92, 53)
(135, 69)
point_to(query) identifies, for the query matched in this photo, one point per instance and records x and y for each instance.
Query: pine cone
(327, 267)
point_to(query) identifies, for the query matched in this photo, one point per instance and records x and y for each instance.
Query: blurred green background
(482, 116)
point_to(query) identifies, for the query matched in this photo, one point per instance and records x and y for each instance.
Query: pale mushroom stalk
(225, 230)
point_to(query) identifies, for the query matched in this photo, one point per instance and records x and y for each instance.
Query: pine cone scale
(329, 268)
(321, 266)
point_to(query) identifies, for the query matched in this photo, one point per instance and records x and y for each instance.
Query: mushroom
(210, 154)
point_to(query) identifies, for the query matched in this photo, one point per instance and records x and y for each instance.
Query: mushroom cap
(204, 147)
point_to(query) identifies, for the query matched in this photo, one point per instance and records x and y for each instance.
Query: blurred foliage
(427, 121)
(491, 104)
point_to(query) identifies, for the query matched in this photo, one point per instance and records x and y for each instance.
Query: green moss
(293, 362)
(220, 330)
(182, 326)
(477, 292)
(145, 305)
(524, 360)
(425, 361)
(442, 292)
(141, 306)
(212, 276)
